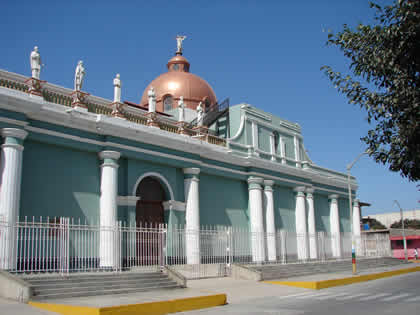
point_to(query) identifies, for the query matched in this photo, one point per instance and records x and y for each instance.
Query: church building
(179, 156)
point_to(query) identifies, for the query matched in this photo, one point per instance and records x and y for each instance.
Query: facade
(177, 158)
(397, 243)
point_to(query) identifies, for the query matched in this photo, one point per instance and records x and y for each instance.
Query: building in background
(390, 217)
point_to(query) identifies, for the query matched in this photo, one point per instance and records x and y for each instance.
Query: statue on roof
(36, 65)
(79, 76)
(117, 89)
(179, 39)
(181, 109)
(152, 100)
(200, 114)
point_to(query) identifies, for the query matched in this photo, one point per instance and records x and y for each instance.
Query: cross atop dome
(179, 40)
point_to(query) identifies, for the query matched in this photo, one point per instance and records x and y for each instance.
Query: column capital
(191, 170)
(333, 197)
(255, 182)
(300, 191)
(309, 190)
(268, 185)
(14, 132)
(356, 202)
(109, 155)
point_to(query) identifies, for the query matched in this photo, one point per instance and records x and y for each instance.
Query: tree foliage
(408, 224)
(384, 80)
(375, 224)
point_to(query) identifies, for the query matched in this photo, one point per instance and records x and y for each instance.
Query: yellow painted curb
(317, 285)
(152, 308)
(66, 309)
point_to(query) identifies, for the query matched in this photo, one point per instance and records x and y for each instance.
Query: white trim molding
(174, 205)
(127, 200)
(156, 175)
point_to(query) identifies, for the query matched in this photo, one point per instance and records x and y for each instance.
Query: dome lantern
(177, 82)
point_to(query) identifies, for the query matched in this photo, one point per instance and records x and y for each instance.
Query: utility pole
(403, 231)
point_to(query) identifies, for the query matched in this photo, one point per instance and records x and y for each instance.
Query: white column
(356, 226)
(256, 218)
(255, 144)
(335, 226)
(11, 175)
(297, 151)
(313, 244)
(272, 147)
(108, 245)
(269, 220)
(300, 216)
(192, 215)
(282, 150)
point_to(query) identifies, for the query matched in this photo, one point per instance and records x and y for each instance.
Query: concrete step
(82, 276)
(75, 285)
(100, 285)
(274, 271)
(102, 292)
(76, 279)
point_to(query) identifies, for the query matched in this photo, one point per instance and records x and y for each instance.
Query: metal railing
(66, 245)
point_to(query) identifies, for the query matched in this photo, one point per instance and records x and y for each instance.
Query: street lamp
(353, 249)
(403, 231)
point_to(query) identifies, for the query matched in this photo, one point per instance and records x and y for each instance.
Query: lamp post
(353, 249)
(403, 231)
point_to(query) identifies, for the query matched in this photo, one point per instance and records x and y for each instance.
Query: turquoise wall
(223, 201)
(58, 181)
(264, 139)
(289, 144)
(322, 213)
(344, 213)
(284, 205)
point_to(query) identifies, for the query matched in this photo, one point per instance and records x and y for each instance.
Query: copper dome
(177, 82)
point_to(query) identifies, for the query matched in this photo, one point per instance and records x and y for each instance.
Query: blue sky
(265, 53)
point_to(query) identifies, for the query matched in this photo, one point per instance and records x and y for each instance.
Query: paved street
(396, 295)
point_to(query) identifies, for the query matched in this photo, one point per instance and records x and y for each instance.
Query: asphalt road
(396, 295)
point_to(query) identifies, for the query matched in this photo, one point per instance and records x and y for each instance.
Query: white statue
(117, 89)
(35, 63)
(181, 109)
(78, 76)
(200, 114)
(179, 39)
(152, 100)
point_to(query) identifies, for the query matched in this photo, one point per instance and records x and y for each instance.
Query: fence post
(228, 251)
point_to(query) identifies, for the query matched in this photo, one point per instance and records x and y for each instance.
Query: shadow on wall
(58, 181)
(285, 203)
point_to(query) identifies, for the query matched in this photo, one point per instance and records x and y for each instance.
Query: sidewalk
(236, 291)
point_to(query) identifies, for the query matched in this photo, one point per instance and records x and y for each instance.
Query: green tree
(408, 224)
(375, 224)
(384, 80)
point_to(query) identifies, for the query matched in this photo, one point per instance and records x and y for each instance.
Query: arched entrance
(149, 218)
(149, 209)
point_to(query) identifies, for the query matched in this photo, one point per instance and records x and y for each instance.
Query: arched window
(167, 103)
(276, 141)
